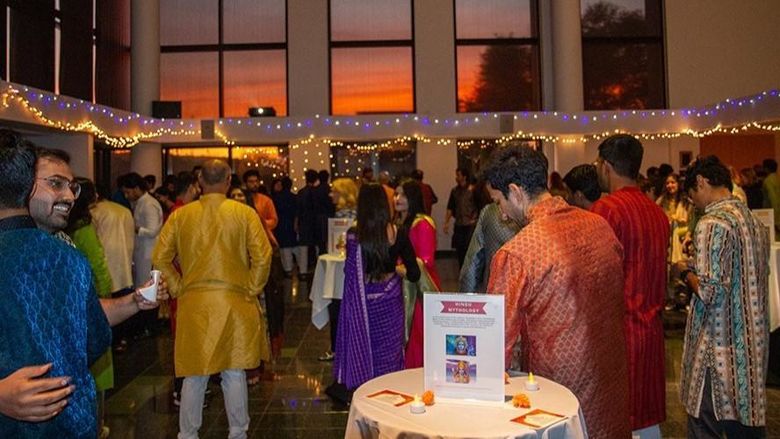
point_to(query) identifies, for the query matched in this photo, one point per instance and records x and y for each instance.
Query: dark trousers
(333, 314)
(274, 296)
(122, 331)
(461, 238)
(707, 427)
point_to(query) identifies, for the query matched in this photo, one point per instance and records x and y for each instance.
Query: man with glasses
(725, 355)
(643, 230)
(52, 324)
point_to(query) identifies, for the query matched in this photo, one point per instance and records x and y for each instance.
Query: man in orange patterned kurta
(563, 281)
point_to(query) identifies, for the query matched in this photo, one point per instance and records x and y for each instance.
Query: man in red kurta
(643, 230)
(563, 280)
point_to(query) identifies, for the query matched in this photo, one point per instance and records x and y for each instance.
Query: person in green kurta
(84, 236)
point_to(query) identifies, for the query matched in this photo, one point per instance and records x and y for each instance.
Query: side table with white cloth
(326, 285)
(369, 418)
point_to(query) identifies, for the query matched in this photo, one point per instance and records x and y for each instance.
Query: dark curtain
(76, 49)
(3, 31)
(112, 83)
(32, 43)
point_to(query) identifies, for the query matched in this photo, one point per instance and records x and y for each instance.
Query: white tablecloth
(327, 284)
(372, 419)
(774, 287)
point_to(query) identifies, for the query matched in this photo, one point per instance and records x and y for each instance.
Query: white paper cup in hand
(156, 276)
(150, 293)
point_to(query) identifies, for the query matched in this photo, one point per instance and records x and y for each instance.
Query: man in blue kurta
(50, 313)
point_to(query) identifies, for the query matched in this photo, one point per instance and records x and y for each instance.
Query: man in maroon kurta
(562, 279)
(643, 230)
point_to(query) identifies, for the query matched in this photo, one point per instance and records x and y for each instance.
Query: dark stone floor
(290, 401)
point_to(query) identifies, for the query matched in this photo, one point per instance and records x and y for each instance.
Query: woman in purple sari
(370, 337)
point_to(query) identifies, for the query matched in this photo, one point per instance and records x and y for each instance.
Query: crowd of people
(587, 262)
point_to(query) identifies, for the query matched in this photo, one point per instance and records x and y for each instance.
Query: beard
(50, 217)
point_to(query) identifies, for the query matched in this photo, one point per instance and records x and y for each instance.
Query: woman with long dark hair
(370, 340)
(412, 220)
(85, 238)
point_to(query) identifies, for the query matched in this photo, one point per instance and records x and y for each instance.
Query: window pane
(255, 79)
(625, 18)
(494, 19)
(618, 75)
(271, 161)
(184, 159)
(372, 80)
(498, 78)
(188, 22)
(254, 21)
(361, 20)
(191, 78)
(399, 160)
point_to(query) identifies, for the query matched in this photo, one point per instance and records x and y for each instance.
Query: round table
(326, 285)
(455, 419)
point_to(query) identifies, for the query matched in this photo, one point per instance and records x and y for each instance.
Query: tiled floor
(290, 401)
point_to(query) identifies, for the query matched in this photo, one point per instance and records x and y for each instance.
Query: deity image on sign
(461, 345)
(461, 372)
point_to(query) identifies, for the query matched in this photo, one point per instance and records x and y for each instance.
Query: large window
(272, 161)
(219, 63)
(497, 50)
(623, 54)
(397, 158)
(371, 56)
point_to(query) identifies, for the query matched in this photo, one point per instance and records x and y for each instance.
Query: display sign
(464, 346)
(337, 235)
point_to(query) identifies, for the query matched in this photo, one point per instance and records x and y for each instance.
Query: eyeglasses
(58, 184)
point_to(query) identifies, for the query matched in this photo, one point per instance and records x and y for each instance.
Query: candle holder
(530, 383)
(417, 407)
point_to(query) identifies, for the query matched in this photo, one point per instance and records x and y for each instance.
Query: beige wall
(718, 49)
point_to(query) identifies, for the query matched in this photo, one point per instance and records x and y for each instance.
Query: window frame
(524, 41)
(371, 44)
(221, 47)
(647, 41)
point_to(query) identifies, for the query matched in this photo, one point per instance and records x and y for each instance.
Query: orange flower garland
(427, 397)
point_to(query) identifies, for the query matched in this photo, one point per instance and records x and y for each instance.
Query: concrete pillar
(145, 55)
(434, 53)
(567, 55)
(79, 146)
(146, 158)
(565, 34)
(307, 57)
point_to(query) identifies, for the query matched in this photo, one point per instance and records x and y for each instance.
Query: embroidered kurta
(50, 314)
(225, 259)
(562, 280)
(643, 230)
(727, 334)
(115, 228)
(490, 234)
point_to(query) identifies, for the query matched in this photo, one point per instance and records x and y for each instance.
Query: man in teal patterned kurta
(725, 353)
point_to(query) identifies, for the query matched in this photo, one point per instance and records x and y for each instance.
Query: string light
(101, 122)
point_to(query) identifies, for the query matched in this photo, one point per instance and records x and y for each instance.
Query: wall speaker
(166, 109)
(207, 129)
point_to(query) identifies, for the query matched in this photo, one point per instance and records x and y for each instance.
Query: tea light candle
(417, 407)
(530, 383)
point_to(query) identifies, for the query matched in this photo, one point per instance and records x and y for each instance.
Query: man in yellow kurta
(225, 259)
